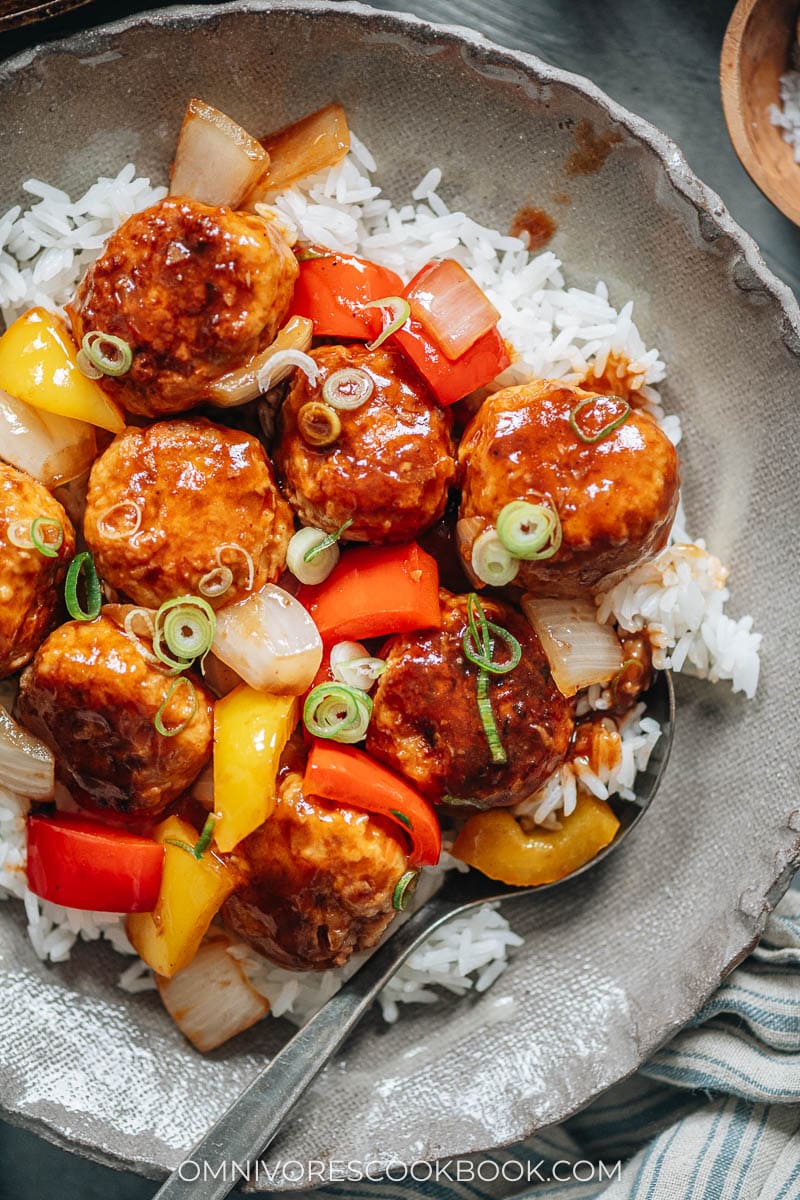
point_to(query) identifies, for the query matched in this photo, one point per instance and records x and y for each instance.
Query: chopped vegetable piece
(580, 649)
(39, 365)
(376, 590)
(604, 415)
(450, 306)
(338, 712)
(333, 292)
(212, 999)
(216, 161)
(192, 892)
(319, 424)
(495, 843)
(80, 863)
(350, 777)
(83, 563)
(251, 730)
(319, 140)
(270, 641)
(398, 311)
(529, 531)
(451, 381)
(27, 765)
(52, 449)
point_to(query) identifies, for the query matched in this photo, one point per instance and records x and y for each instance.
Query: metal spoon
(250, 1124)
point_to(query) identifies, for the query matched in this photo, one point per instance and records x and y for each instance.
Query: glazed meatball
(616, 497)
(390, 467)
(426, 724)
(29, 580)
(321, 882)
(169, 507)
(92, 695)
(194, 291)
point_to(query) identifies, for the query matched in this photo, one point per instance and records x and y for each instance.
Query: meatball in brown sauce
(93, 696)
(29, 578)
(615, 496)
(185, 507)
(194, 291)
(388, 470)
(426, 724)
(321, 880)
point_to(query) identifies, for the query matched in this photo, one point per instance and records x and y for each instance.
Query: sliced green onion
(110, 532)
(348, 389)
(496, 751)
(306, 253)
(317, 569)
(116, 362)
(86, 366)
(318, 424)
(400, 310)
(83, 562)
(491, 560)
(158, 719)
(215, 582)
(332, 538)
(401, 816)
(478, 643)
(186, 626)
(338, 712)
(351, 664)
(529, 531)
(588, 438)
(38, 532)
(204, 841)
(19, 535)
(404, 889)
(620, 675)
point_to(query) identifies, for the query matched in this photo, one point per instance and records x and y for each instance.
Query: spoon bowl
(252, 1121)
(759, 46)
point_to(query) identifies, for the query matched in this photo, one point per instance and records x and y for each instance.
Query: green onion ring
(496, 751)
(404, 889)
(86, 366)
(83, 562)
(318, 424)
(158, 719)
(479, 645)
(326, 542)
(116, 364)
(590, 440)
(525, 529)
(172, 620)
(215, 582)
(401, 311)
(348, 389)
(48, 549)
(338, 712)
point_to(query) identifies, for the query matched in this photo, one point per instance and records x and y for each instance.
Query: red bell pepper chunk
(80, 863)
(450, 306)
(333, 291)
(373, 591)
(347, 776)
(452, 380)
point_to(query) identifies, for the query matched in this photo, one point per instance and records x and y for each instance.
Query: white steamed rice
(558, 331)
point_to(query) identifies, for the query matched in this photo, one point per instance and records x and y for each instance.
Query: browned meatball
(92, 696)
(426, 724)
(29, 580)
(169, 505)
(388, 471)
(616, 497)
(321, 882)
(194, 291)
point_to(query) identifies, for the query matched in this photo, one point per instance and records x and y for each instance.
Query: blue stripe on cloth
(758, 1134)
(737, 1127)
(659, 1162)
(689, 1194)
(784, 1193)
(690, 1076)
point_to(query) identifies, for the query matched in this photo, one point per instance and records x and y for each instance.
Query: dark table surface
(657, 57)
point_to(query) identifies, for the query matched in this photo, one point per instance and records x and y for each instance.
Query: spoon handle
(252, 1121)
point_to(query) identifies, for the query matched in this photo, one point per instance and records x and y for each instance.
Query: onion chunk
(311, 144)
(212, 1000)
(270, 641)
(27, 766)
(51, 448)
(581, 651)
(216, 161)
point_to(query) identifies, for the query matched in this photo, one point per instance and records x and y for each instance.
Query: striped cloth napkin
(714, 1115)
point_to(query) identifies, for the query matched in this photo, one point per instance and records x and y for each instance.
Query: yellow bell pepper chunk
(192, 892)
(251, 730)
(495, 843)
(39, 364)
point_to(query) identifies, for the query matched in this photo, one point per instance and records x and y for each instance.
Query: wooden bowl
(755, 53)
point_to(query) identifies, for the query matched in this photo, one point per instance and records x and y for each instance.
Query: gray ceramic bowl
(616, 962)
